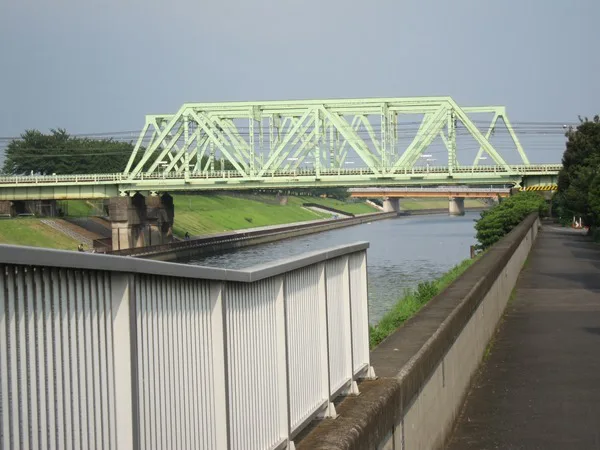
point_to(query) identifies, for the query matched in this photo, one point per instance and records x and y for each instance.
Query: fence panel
(360, 311)
(255, 358)
(180, 400)
(308, 364)
(56, 390)
(338, 317)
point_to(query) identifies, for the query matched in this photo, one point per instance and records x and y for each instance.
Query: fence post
(125, 360)
(329, 410)
(359, 310)
(282, 363)
(219, 364)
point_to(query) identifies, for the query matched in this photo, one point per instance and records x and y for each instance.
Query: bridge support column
(6, 208)
(128, 217)
(391, 204)
(160, 216)
(138, 221)
(456, 206)
(43, 208)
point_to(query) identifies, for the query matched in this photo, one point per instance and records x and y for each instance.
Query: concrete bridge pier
(456, 206)
(43, 208)
(391, 204)
(160, 216)
(6, 208)
(139, 221)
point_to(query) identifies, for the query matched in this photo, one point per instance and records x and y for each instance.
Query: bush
(412, 302)
(495, 223)
(425, 292)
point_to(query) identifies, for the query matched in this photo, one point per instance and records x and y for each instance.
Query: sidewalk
(539, 388)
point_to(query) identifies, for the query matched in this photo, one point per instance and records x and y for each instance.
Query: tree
(579, 180)
(60, 153)
(502, 218)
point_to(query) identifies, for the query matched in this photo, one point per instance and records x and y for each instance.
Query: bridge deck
(540, 386)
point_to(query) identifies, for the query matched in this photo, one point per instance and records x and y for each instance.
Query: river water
(403, 252)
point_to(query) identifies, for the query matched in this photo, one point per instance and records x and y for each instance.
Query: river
(403, 252)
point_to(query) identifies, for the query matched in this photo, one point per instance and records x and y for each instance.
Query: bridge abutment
(456, 206)
(6, 208)
(44, 208)
(391, 204)
(140, 221)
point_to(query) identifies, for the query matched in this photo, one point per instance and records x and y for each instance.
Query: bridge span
(292, 144)
(456, 195)
(423, 192)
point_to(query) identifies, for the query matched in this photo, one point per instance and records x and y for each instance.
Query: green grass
(33, 233)
(349, 207)
(412, 302)
(207, 214)
(435, 203)
(81, 208)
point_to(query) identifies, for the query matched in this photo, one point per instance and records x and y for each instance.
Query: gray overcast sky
(100, 66)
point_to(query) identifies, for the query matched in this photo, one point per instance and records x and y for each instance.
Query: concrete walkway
(539, 388)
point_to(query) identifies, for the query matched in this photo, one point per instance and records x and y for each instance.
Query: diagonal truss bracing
(254, 140)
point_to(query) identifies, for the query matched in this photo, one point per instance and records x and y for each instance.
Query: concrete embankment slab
(540, 386)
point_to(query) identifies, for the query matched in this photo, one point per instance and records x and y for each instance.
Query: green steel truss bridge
(287, 144)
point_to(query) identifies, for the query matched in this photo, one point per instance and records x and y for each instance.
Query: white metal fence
(106, 352)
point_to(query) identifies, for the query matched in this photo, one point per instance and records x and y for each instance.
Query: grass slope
(82, 208)
(434, 203)
(33, 233)
(349, 207)
(206, 214)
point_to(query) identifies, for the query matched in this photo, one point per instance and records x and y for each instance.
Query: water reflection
(403, 252)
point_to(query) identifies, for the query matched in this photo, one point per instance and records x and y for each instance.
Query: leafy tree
(579, 180)
(501, 219)
(60, 153)
(63, 154)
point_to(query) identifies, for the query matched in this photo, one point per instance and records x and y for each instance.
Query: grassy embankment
(412, 302)
(33, 232)
(218, 213)
(193, 213)
(436, 203)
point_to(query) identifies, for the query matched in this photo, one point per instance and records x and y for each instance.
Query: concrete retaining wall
(425, 367)
(239, 239)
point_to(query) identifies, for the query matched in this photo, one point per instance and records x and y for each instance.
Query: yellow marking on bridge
(551, 187)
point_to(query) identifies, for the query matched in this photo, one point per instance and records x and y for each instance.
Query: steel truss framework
(287, 144)
(266, 139)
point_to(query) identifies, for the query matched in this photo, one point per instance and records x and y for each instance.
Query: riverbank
(33, 232)
(242, 238)
(412, 301)
(209, 214)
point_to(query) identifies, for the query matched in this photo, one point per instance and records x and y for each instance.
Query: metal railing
(108, 178)
(117, 353)
(440, 189)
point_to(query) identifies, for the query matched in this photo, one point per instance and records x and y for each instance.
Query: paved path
(540, 386)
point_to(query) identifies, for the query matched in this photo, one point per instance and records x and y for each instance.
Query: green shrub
(425, 291)
(412, 302)
(495, 223)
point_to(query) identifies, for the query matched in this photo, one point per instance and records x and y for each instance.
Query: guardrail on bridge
(120, 353)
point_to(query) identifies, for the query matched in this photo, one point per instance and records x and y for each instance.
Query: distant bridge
(434, 192)
(288, 144)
